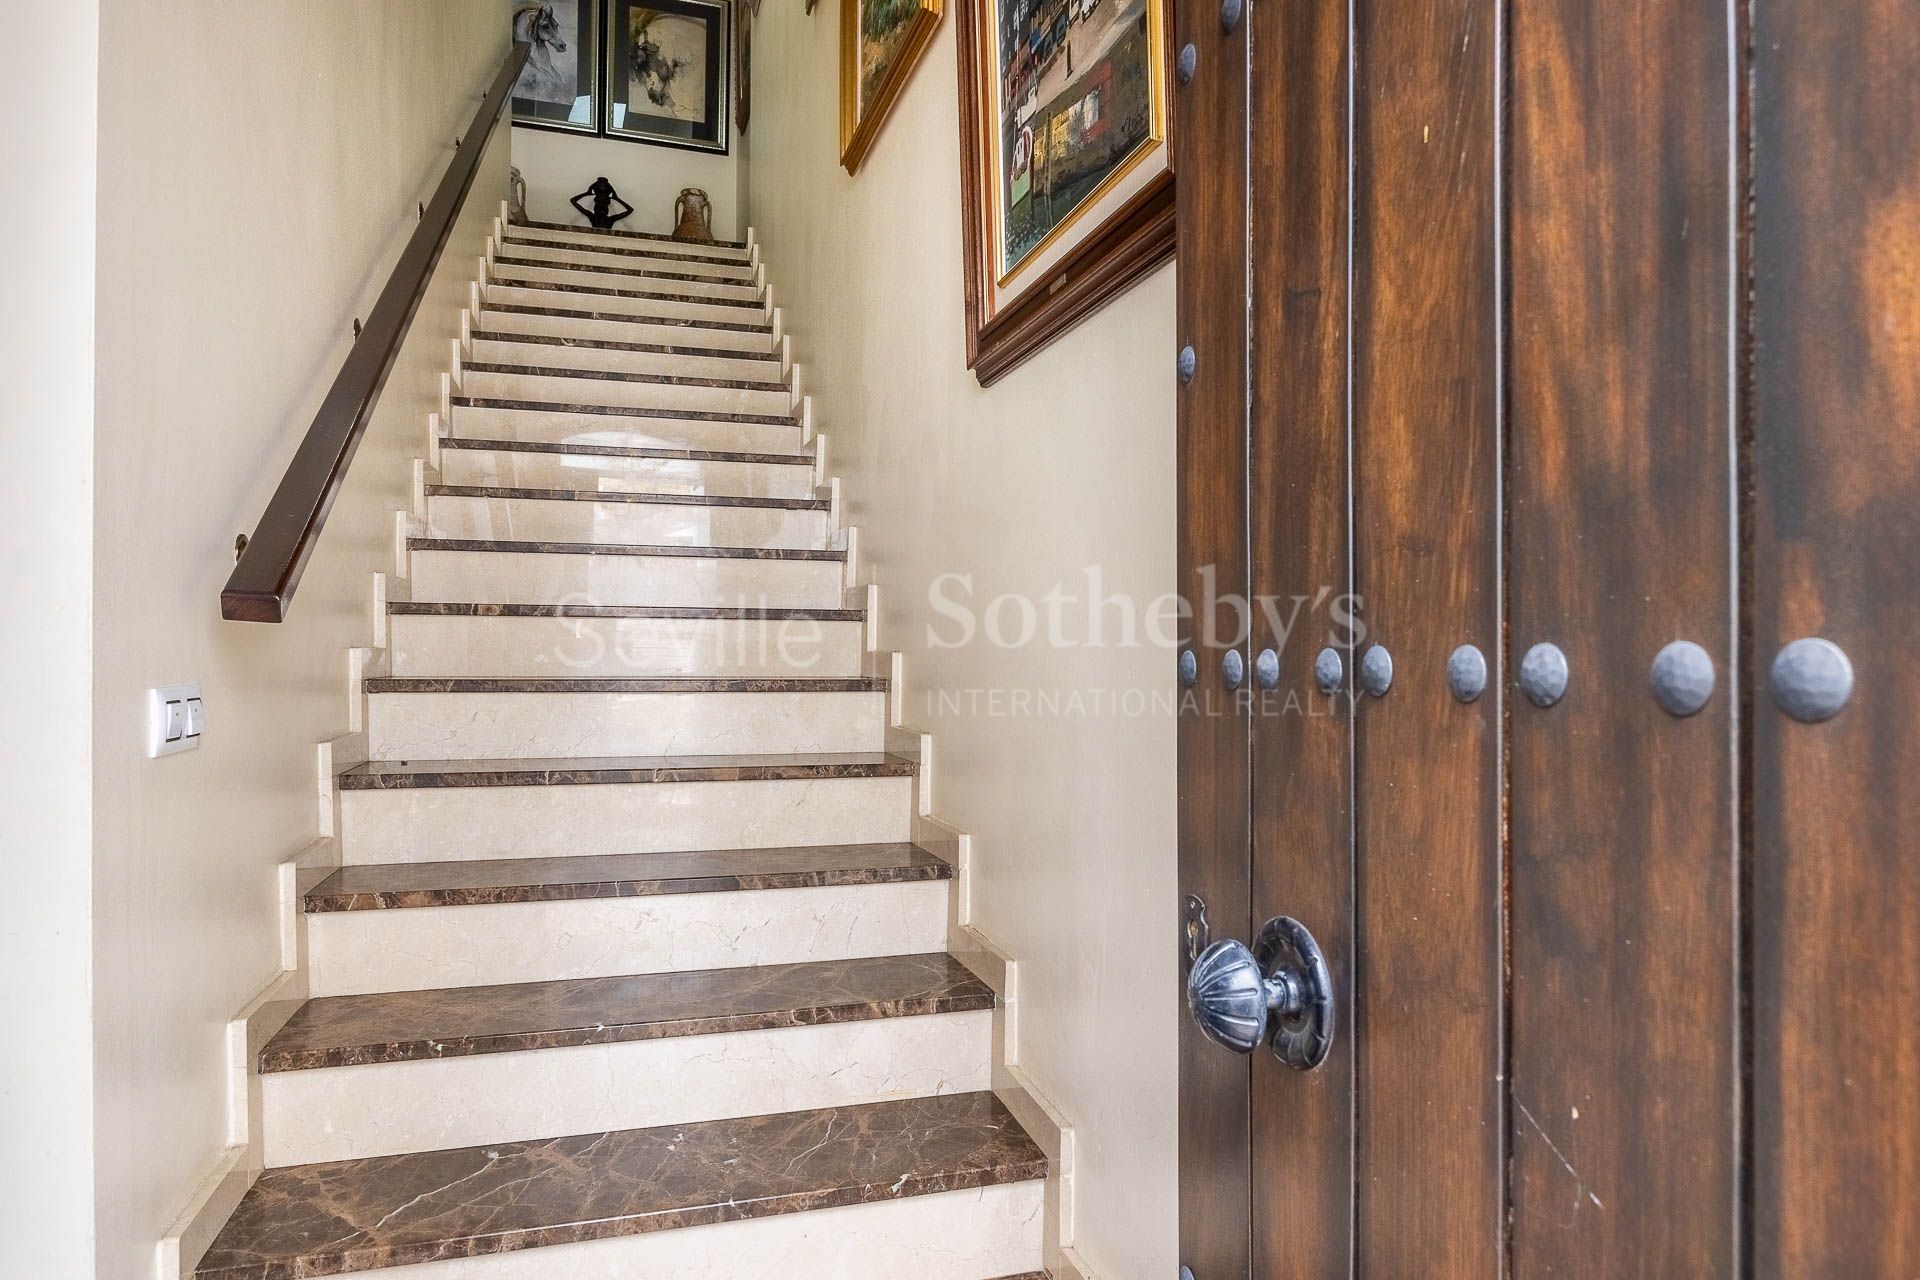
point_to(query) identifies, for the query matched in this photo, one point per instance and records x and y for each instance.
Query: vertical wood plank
(1302, 1123)
(1210, 145)
(1836, 234)
(1625, 947)
(1426, 556)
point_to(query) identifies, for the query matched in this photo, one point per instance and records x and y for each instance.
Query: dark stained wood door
(1578, 331)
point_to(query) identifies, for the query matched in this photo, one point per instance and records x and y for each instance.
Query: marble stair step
(509, 718)
(423, 925)
(552, 316)
(604, 391)
(642, 255)
(535, 464)
(504, 346)
(632, 1192)
(664, 278)
(437, 810)
(564, 425)
(380, 1074)
(451, 639)
(613, 573)
(519, 290)
(561, 515)
(568, 233)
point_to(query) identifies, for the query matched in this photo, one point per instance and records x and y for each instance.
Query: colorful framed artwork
(560, 87)
(667, 72)
(881, 41)
(1067, 191)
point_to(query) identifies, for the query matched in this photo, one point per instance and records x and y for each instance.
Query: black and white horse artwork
(547, 78)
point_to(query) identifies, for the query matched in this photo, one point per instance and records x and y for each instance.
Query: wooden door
(1582, 338)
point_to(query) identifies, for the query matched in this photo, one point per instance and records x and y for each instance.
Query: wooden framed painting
(1067, 192)
(560, 87)
(667, 72)
(881, 41)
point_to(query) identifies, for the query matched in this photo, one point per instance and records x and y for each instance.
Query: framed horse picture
(668, 64)
(560, 88)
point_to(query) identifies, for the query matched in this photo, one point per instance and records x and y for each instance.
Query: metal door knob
(1277, 991)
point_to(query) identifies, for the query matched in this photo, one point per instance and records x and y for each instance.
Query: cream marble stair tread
(623, 235)
(620, 573)
(560, 388)
(552, 317)
(329, 1219)
(507, 346)
(413, 1026)
(469, 609)
(564, 771)
(716, 268)
(651, 469)
(506, 546)
(595, 716)
(687, 285)
(654, 304)
(570, 426)
(631, 266)
(672, 453)
(686, 374)
(557, 515)
(635, 499)
(570, 403)
(584, 285)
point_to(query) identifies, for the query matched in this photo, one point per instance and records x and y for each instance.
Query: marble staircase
(631, 967)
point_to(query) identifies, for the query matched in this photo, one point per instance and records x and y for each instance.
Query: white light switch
(175, 719)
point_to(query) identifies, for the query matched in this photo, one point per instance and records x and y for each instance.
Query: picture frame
(560, 87)
(1067, 184)
(669, 73)
(881, 42)
(743, 68)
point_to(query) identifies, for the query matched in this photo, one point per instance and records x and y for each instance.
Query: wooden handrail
(269, 568)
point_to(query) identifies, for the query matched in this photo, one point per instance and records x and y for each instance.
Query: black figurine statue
(604, 198)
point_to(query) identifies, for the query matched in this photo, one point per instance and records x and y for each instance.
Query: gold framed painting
(881, 41)
(1067, 189)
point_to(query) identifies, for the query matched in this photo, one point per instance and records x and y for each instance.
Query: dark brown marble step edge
(694, 613)
(493, 491)
(624, 233)
(628, 684)
(608, 344)
(619, 375)
(671, 453)
(625, 317)
(487, 882)
(390, 1211)
(459, 1022)
(404, 775)
(625, 251)
(504, 546)
(643, 273)
(646, 295)
(626, 411)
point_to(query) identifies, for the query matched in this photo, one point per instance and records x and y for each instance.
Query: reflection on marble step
(626, 431)
(716, 268)
(588, 573)
(411, 1026)
(545, 318)
(598, 717)
(645, 469)
(507, 346)
(597, 391)
(651, 303)
(567, 232)
(678, 284)
(314, 1220)
(398, 775)
(441, 823)
(491, 882)
(433, 639)
(547, 515)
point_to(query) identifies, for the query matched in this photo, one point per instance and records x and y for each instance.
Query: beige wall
(1065, 464)
(558, 166)
(46, 645)
(258, 170)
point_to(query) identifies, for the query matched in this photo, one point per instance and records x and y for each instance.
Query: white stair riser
(483, 385)
(350, 1113)
(430, 948)
(955, 1235)
(510, 268)
(652, 524)
(624, 475)
(430, 645)
(624, 431)
(645, 259)
(586, 237)
(517, 294)
(518, 577)
(515, 726)
(437, 824)
(757, 342)
(559, 356)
